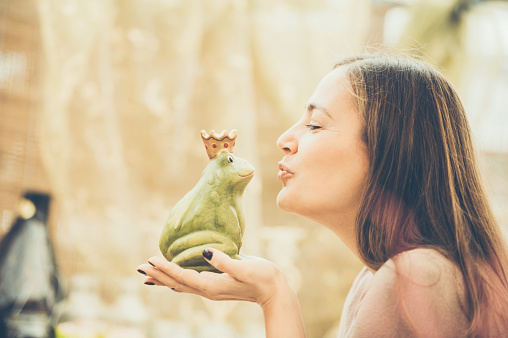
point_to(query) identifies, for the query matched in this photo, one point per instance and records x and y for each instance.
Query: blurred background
(101, 107)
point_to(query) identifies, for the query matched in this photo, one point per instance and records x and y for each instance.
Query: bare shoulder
(425, 267)
(417, 292)
(423, 278)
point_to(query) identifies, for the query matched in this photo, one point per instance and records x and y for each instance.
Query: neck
(344, 226)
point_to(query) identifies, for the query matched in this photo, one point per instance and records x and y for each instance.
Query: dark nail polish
(141, 272)
(207, 254)
(151, 264)
(149, 283)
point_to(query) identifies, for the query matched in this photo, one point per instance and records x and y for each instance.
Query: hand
(249, 279)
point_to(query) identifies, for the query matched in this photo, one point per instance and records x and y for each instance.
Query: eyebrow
(312, 106)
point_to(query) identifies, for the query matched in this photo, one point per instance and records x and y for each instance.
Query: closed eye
(313, 127)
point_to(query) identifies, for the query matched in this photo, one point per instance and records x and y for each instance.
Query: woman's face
(325, 163)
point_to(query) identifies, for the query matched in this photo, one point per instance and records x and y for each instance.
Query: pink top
(418, 293)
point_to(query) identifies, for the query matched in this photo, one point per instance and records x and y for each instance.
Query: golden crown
(218, 143)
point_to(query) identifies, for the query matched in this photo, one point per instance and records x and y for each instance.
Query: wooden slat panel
(19, 106)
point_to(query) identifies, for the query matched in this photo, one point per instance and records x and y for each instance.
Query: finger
(186, 280)
(224, 263)
(172, 270)
(175, 288)
(152, 281)
(159, 274)
(171, 275)
(206, 284)
(188, 277)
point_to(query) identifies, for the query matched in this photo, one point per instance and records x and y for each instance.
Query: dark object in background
(30, 284)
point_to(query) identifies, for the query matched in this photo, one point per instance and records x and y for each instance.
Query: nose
(287, 142)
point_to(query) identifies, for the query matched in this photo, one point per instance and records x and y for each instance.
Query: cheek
(350, 173)
(340, 190)
(329, 183)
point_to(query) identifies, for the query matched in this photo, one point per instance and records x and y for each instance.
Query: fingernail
(151, 264)
(141, 272)
(207, 253)
(149, 283)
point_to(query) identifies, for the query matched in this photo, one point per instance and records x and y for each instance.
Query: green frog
(211, 214)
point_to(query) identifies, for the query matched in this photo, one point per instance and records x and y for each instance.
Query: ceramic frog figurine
(211, 214)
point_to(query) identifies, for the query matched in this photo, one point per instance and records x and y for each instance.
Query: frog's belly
(187, 250)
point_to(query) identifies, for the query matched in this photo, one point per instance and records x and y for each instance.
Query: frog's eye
(230, 159)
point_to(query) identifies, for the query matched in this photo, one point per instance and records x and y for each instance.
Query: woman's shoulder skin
(416, 293)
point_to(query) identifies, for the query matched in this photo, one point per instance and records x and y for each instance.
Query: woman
(383, 157)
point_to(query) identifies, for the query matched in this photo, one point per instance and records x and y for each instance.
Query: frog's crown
(218, 143)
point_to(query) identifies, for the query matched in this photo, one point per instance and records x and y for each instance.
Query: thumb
(220, 260)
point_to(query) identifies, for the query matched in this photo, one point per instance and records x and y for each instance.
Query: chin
(283, 201)
(288, 203)
(303, 208)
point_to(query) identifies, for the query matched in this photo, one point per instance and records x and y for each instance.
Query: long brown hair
(424, 188)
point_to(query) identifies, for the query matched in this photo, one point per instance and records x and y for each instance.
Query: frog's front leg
(187, 250)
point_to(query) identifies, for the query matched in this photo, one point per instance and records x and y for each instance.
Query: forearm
(282, 313)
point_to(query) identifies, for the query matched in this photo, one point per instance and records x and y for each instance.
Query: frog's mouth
(249, 174)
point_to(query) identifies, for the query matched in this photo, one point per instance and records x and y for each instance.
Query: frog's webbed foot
(187, 250)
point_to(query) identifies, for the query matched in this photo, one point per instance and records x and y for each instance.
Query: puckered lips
(284, 172)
